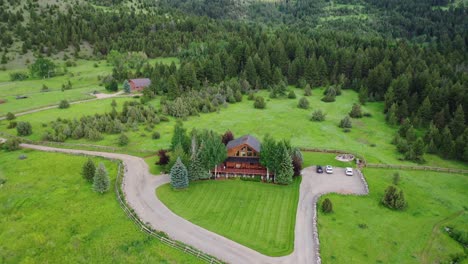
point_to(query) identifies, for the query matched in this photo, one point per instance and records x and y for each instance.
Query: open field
(49, 214)
(363, 231)
(282, 119)
(260, 216)
(83, 76)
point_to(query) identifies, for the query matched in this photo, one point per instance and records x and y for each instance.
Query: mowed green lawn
(49, 214)
(257, 215)
(395, 236)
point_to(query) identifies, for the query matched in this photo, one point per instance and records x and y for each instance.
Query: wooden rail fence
(423, 168)
(161, 236)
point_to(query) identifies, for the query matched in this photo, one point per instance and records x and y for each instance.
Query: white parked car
(329, 169)
(349, 171)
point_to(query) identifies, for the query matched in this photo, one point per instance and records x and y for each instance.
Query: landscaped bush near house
(327, 206)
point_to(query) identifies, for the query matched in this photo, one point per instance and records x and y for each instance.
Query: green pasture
(50, 214)
(361, 230)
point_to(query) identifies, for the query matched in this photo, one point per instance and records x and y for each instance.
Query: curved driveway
(139, 187)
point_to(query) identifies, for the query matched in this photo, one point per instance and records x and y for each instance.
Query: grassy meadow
(361, 230)
(370, 136)
(259, 216)
(83, 76)
(49, 214)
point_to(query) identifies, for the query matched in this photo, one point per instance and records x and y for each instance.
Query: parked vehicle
(329, 169)
(349, 171)
(319, 169)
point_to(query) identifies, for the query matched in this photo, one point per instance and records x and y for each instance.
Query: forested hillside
(412, 55)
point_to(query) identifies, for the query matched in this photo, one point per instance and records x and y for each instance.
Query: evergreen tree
(10, 116)
(123, 140)
(126, 87)
(425, 111)
(180, 137)
(23, 128)
(259, 103)
(391, 116)
(284, 172)
(346, 122)
(327, 206)
(446, 144)
(307, 90)
(196, 170)
(303, 103)
(356, 111)
(178, 152)
(457, 126)
(292, 95)
(318, 116)
(250, 71)
(89, 169)
(363, 95)
(268, 157)
(394, 199)
(64, 104)
(179, 175)
(101, 181)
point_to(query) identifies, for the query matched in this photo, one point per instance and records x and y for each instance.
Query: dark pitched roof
(142, 82)
(247, 139)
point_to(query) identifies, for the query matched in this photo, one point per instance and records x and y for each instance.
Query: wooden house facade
(243, 158)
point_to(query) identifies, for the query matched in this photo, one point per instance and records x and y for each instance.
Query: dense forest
(413, 57)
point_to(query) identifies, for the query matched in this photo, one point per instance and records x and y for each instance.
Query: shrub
(156, 135)
(394, 199)
(123, 140)
(318, 116)
(367, 114)
(259, 102)
(164, 119)
(330, 94)
(101, 181)
(356, 111)
(292, 95)
(396, 178)
(346, 122)
(88, 170)
(163, 157)
(24, 129)
(22, 157)
(18, 76)
(307, 90)
(10, 116)
(12, 144)
(12, 124)
(362, 226)
(2, 181)
(64, 104)
(327, 206)
(228, 136)
(303, 103)
(251, 96)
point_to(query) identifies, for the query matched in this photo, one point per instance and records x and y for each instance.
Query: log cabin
(243, 158)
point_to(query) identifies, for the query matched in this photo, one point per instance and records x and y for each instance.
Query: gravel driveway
(139, 186)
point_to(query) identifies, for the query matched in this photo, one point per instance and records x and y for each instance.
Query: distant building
(137, 85)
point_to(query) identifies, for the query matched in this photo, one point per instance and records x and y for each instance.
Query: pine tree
(196, 170)
(425, 111)
(303, 103)
(391, 116)
(101, 181)
(126, 87)
(363, 96)
(89, 169)
(346, 122)
(284, 172)
(179, 175)
(457, 126)
(250, 71)
(356, 111)
(327, 206)
(180, 137)
(393, 198)
(307, 90)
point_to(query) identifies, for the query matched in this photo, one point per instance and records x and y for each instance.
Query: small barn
(137, 85)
